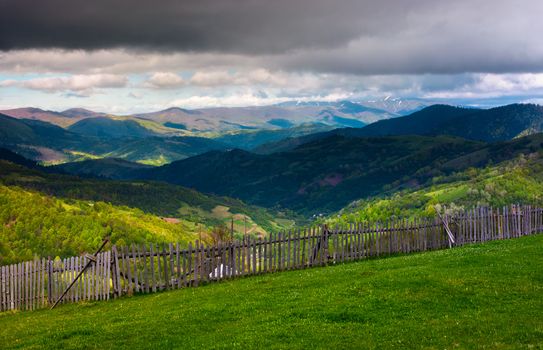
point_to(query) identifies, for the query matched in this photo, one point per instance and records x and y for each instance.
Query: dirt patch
(171, 220)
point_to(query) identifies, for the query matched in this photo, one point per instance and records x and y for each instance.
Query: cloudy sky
(124, 56)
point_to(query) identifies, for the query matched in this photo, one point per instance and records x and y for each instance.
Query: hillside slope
(319, 176)
(222, 119)
(111, 168)
(519, 180)
(490, 125)
(495, 124)
(481, 296)
(162, 150)
(325, 175)
(249, 140)
(46, 142)
(33, 224)
(59, 119)
(110, 128)
(138, 203)
(99, 137)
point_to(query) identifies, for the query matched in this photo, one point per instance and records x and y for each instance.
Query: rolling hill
(495, 124)
(109, 168)
(325, 175)
(46, 142)
(337, 114)
(249, 140)
(219, 120)
(318, 176)
(34, 224)
(490, 125)
(147, 202)
(57, 118)
(518, 180)
(80, 113)
(104, 127)
(162, 150)
(45, 214)
(96, 138)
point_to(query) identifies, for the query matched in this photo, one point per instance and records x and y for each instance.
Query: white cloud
(242, 77)
(81, 84)
(164, 80)
(241, 99)
(492, 85)
(115, 61)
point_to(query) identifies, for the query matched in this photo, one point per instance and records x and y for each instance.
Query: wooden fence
(151, 268)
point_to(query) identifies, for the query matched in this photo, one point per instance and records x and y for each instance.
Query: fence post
(49, 280)
(325, 250)
(115, 272)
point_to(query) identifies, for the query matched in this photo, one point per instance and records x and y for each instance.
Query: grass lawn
(481, 296)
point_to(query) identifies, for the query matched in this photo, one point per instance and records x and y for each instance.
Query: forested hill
(110, 128)
(96, 138)
(519, 180)
(43, 213)
(495, 124)
(490, 125)
(325, 175)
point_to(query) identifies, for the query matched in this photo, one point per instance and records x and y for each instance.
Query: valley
(179, 182)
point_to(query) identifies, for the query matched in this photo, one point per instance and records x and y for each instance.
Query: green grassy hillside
(517, 181)
(33, 224)
(480, 296)
(50, 214)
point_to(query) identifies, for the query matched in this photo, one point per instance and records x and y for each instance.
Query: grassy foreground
(480, 296)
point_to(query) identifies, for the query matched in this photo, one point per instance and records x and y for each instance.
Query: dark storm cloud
(223, 25)
(343, 36)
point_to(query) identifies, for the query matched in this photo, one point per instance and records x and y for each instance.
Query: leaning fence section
(148, 268)
(35, 284)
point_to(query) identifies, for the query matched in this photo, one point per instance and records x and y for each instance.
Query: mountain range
(322, 172)
(324, 175)
(309, 168)
(78, 133)
(262, 178)
(342, 113)
(490, 125)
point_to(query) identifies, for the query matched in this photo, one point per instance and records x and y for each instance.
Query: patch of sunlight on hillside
(160, 160)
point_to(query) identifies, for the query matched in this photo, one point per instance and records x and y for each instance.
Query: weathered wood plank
(254, 256)
(142, 267)
(165, 274)
(135, 269)
(185, 276)
(151, 273)
(178, 266)
(197, 262)
(171, 275)
(2, 289)
(117, 278)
